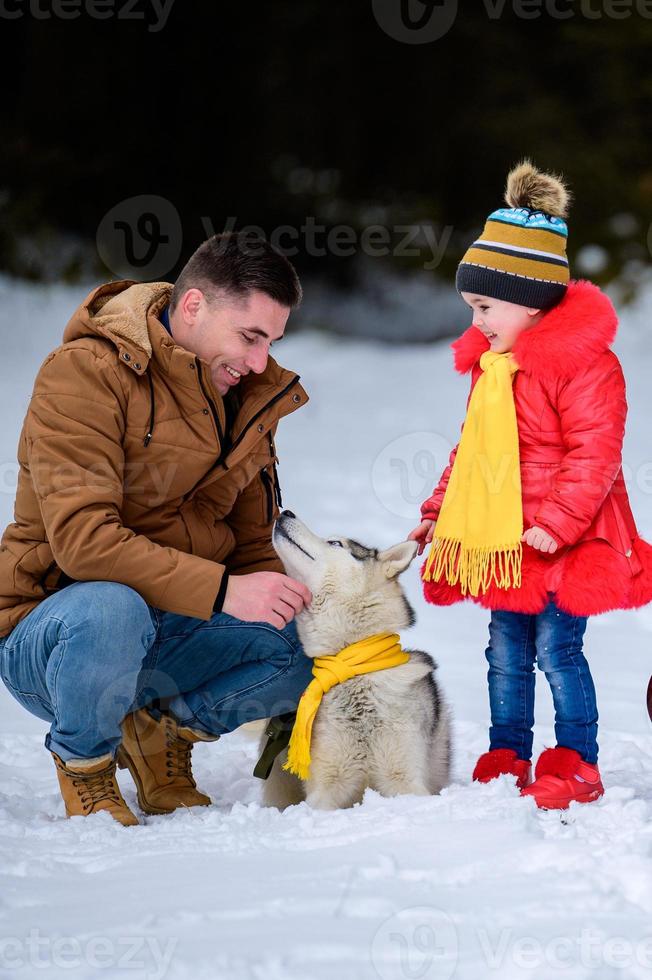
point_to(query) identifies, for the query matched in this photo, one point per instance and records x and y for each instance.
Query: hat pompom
(528, 187)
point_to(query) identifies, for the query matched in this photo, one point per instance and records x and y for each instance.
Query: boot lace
(177, 754)
(97, 787)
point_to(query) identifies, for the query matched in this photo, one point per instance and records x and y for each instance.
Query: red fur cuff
(494, 763)
(558, 762)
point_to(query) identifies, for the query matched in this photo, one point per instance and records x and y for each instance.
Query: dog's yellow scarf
(375, 653)
(477, 537)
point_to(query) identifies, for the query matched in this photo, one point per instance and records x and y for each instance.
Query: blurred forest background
(374, 160)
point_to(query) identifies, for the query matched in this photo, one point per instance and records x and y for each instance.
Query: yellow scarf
(477, 537)
(375, 653)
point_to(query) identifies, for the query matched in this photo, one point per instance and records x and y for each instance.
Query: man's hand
(265, 597)
(423, 534)
(537, 538)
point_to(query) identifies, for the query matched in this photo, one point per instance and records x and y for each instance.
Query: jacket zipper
(281, 394)
(269, 404)
(220, 433)
(275, 480)
(277, 489)
(267, 483)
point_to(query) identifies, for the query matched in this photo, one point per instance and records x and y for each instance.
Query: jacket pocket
(30, 569)
(208, 538)
(610, 525)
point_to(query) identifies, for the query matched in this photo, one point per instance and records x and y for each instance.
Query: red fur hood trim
(568, 339)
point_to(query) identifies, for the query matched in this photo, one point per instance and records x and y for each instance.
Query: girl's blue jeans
(88, 655)
(553, 640)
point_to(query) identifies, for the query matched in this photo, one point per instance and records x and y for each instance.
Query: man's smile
(230, 374)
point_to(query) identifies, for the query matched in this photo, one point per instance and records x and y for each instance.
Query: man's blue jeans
(553, 640)
(91, 653)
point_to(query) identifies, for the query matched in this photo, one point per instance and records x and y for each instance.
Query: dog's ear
(397, 558)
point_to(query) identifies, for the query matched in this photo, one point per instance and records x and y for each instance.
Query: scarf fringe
(474, 568)
(298, 760)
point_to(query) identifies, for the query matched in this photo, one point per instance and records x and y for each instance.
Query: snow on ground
(475, 882)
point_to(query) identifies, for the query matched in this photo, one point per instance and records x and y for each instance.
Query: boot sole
(125, 761)
(563, 804)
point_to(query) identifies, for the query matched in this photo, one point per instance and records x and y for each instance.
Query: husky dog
(388, 729)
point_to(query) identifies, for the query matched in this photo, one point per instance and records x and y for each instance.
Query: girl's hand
(537, 538)
(423, 534)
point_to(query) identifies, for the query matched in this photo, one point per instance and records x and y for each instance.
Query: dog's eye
(336, 544)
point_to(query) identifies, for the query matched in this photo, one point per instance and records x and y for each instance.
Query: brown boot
(157, 754)
(89, 785)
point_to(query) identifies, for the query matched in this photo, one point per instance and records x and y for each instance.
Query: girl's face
(500, 322)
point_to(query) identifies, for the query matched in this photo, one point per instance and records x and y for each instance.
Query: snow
(475, 882)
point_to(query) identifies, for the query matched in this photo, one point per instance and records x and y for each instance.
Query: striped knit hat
(520, 256)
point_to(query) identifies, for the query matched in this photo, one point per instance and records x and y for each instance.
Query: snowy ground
(473, 883)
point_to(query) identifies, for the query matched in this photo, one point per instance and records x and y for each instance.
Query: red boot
(561, 777)
(499, 762)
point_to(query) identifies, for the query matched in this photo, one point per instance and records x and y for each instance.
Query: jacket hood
(570, 337)
(118, 312)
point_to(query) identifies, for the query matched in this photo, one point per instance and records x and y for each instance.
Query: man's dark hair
(238, 264)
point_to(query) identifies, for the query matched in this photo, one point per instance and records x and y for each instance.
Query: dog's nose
(288, 513)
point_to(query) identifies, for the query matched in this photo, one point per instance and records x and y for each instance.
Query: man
(142, 606)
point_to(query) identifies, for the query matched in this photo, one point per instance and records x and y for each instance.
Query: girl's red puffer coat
(571, 408)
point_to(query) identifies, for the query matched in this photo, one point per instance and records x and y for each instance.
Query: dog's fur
(389, 729)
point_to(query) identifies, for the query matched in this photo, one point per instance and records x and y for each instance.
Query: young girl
(531, 517)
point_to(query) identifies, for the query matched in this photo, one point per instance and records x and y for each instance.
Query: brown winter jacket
(122, 476)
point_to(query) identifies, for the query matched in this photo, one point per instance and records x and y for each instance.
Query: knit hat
(520, 256)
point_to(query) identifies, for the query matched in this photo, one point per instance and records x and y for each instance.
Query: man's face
(232, 335)
(500, 322)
